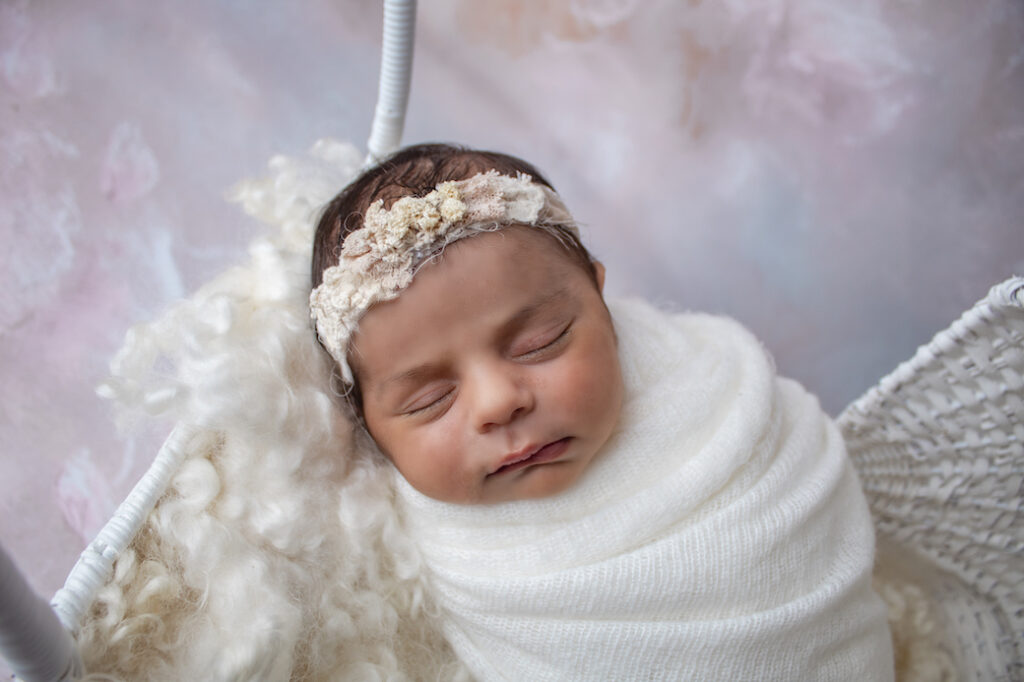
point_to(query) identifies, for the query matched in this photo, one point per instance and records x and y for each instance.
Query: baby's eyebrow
(409, 376)
(528, 311)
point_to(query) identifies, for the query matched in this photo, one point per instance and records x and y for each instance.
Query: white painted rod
(35, 645)
(395, 77)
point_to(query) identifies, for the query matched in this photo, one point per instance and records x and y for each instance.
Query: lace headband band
(378, 261)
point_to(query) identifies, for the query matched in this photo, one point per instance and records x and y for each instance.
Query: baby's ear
(599, 274)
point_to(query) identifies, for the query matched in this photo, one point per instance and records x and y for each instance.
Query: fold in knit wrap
(720, 534)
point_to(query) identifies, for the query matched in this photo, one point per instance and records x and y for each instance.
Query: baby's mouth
(533, 455)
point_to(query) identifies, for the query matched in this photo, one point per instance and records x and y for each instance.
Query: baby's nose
(500, 397)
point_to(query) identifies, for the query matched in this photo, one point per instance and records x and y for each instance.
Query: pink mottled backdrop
(843, 177)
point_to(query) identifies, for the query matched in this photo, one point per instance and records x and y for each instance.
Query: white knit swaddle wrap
(721, 534)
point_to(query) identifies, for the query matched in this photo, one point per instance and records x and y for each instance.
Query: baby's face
(495, 375)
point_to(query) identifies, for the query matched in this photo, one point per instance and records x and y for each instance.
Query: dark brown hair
(415, 171)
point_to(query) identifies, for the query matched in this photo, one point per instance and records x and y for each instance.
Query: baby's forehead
(519, 241)
(532, 244)
(517, 267)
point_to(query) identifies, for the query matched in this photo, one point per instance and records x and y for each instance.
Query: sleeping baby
(600, 490)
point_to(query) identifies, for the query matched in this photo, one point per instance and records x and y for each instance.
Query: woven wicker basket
(939, 446)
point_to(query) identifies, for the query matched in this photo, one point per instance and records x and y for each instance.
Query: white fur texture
(265, 558)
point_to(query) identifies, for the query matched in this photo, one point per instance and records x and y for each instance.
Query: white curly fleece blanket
(722, 534)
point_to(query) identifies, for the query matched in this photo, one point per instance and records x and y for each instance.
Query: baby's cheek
(435, 457)
(595, 368)
(578, 387)
(599, 385)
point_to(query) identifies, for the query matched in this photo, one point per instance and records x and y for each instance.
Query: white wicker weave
(96, 562)
(939, 446)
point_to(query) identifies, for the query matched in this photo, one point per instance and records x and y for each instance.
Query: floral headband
(378, 261)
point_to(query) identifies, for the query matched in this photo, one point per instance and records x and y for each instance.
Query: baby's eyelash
(553, 342)
(432, 404)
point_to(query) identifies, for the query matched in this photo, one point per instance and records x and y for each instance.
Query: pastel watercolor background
(845, 178)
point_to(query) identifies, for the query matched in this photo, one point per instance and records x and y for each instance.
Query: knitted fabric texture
(721, 534)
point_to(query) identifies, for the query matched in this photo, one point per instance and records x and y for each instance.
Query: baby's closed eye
(432, 398)
(543, 345)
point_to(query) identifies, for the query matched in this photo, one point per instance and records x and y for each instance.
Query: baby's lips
(533, 454)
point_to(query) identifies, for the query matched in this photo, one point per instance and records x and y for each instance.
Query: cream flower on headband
(379, 259)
